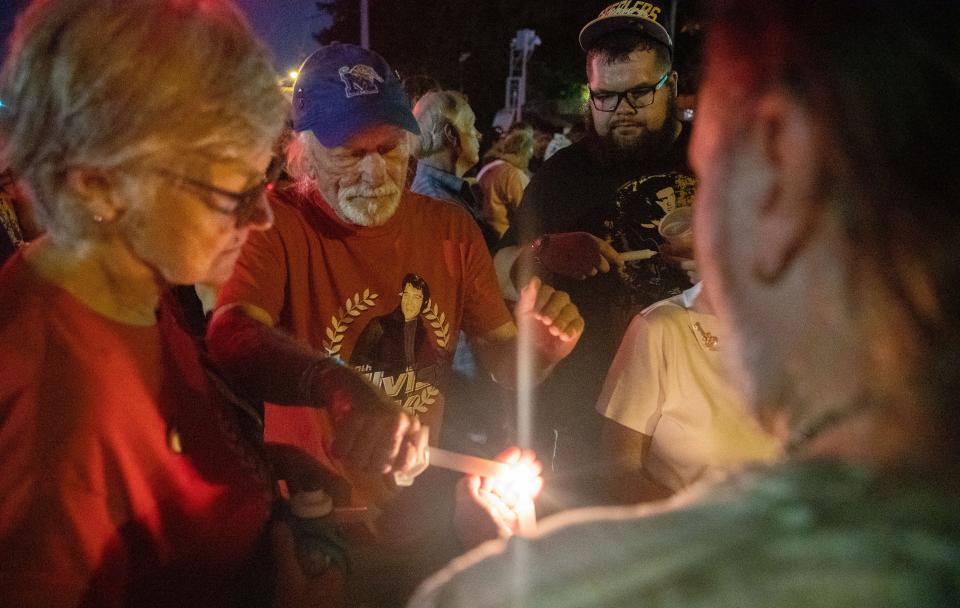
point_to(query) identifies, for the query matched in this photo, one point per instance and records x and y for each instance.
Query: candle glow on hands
(511, 492)
(507, 492)
(503, 488)
(520, 481)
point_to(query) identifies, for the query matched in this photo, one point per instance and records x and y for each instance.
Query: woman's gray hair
(111, 83)
(434, 111)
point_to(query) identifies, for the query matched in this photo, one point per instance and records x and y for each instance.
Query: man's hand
(576, 255)
(415, 444)
(372, 436)
(557, 324)
(554, 325)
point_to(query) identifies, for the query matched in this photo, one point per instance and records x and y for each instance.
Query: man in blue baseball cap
(342, 88)
(346, 234)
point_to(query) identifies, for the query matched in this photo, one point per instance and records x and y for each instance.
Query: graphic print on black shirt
(633, 223)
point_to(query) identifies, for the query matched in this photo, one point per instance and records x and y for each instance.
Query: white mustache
(364, 191)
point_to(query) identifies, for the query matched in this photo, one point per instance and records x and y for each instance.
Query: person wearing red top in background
(143, 132)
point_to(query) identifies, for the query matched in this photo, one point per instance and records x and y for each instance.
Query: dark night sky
(284, 24)
(484, 29)
(8, 10)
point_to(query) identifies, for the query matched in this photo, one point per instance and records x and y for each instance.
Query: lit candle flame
(520, 481)
(514, 481)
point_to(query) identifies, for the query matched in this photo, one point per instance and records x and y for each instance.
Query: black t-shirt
(578, 189)
(581, 189)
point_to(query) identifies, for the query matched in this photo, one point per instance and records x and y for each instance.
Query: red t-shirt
(124, 478)
(338, 288)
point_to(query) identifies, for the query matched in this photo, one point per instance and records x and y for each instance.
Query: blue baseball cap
(342, 89)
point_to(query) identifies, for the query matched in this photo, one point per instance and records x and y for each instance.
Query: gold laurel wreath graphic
(428, 396)
(438, 321)
(346, 315)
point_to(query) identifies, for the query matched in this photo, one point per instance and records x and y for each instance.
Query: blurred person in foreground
(142, 131)
(825, 225)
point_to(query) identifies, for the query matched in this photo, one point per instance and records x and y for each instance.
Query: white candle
(471, 465)
(637, 255)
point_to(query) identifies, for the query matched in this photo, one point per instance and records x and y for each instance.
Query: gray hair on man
(302, 156)
(104, 84)
(435, 111)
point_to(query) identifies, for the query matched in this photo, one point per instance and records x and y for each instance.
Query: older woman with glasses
(143, 131)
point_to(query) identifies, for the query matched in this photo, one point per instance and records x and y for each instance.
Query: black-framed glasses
(637, 97)
(245, 202)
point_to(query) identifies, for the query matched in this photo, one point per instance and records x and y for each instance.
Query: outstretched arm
(372, 435)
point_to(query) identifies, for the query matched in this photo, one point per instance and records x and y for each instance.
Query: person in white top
(672, 412)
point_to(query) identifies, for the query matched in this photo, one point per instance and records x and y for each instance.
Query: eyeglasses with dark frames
(245, 202)
(637, 97)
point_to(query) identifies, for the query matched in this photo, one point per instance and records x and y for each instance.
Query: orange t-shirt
(340, 289)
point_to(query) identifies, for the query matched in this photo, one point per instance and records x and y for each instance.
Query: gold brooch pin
(709, 340)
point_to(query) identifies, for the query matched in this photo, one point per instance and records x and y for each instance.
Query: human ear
(451, 135)
(787, 139)
(95, 189)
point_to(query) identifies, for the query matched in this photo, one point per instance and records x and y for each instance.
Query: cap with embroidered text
(342, 89)
(647, 17)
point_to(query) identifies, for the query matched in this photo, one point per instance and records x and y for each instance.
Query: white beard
(365, 206)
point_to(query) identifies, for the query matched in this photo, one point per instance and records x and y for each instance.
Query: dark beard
(649, 145)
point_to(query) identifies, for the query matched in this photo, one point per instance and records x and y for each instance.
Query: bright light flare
(513, 481)
(521, 481)
(293, 74)
(517, 485)
(514, 476)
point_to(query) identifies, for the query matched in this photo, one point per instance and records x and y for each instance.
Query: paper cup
(677, 228)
